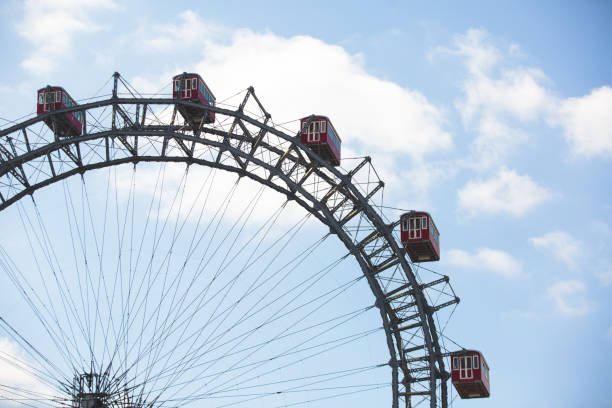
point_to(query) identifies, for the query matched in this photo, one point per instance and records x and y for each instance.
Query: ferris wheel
(203, 255)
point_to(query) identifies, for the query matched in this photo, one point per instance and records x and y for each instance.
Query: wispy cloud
(373, 116)
(370, 113)
(562, 246)
(16, 374)
(191, 32)
(501, 97)
(486, 259)
(604, 273)
(507, 192)
(50, 27)
(570, 298)
(498, 98)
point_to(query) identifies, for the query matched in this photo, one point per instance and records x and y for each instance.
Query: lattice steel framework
(135, 129)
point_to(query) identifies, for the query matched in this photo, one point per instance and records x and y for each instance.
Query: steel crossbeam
(290, 169)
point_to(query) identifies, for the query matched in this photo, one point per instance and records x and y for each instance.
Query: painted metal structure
(251, 147)
(320, 135)
(420, 236)
(54, 98)
(470, 374)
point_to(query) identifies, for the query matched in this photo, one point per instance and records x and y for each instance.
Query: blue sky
(496, 117)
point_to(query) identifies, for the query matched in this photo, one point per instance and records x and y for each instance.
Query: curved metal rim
(296, 153)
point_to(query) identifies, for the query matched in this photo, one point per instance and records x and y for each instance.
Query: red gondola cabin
(322, 138)
(191, 87)
(470, 374)
(52, 98)
(420, 236)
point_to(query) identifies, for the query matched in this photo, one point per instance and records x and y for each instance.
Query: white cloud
(191, 32)
(50, 27)
(604, 273)
(494, 140)
(498, 90)
(480, 56)
(369, 113)
(517, 92)
(514, 50)
(507, 192)
(562, 245)
(499, 98)
(587, 123)
(14, 373)
(373, 116)
(416, 178)
(570, 298)
(486, 259)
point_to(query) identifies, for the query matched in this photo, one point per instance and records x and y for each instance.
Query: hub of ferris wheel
(94, 390)
(91, 390)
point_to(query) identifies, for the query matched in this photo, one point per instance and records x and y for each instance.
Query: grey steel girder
(287, 171)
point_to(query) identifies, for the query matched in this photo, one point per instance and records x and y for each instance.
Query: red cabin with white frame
(420, 236)
(53, 98)
(470, 374)
(191, 87)
(322, 138)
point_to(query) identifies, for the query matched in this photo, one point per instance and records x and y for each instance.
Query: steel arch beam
(298, 155)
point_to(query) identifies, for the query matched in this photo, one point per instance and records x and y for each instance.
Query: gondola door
(49, 101)
(314, 135)
(187, 90)
(466, 372)
(415, 228)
